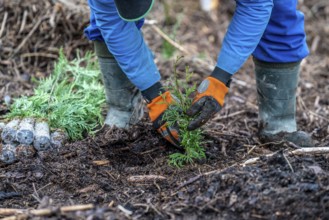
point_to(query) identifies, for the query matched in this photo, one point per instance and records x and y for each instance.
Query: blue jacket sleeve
(126, 43)
(244, 33)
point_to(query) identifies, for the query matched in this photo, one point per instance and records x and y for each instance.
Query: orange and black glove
(158, 102)
(209, 98)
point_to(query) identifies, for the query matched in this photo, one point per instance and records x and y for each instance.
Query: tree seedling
(176, 116)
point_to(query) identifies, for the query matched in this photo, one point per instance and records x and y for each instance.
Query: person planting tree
(271, 30)
(126, 62)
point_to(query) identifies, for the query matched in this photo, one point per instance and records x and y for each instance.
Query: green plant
(176, 115)
(71, 98)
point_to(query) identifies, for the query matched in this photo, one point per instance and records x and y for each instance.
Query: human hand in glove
(158, 102)
(209, 98)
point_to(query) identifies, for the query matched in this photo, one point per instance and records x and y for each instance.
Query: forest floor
(100, 170)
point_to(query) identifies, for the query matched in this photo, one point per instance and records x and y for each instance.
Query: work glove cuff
(153, 92)
(222, 75)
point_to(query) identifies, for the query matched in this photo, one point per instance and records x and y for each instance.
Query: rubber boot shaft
(123, 98)
(276, 90)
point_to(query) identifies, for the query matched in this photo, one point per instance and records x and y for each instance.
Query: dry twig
(168, 39)
(29, 34)
(285, 157)
(2, 29)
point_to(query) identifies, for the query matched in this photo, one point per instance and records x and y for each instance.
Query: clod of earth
(25, 151)
(58, 138)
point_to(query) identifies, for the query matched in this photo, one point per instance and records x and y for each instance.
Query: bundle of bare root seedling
(64, 106)
(22, 138)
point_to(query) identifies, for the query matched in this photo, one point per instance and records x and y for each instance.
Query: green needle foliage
(70, 99)
(176, 115)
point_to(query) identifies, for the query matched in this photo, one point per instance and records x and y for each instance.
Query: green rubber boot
(123, 98)
(276, 88)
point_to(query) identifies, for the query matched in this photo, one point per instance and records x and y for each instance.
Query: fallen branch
(310, 150)
(44, 212)
(145, 178)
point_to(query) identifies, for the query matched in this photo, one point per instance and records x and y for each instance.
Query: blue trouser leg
(92, 32)
(125, 41)
(123, 98)
(284, 40)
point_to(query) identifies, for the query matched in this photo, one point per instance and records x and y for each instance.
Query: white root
(25, 133)
(58, 138)
(8, 134)
(8, 154)
(41, 136)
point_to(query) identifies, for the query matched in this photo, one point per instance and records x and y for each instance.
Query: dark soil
(219, 187)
